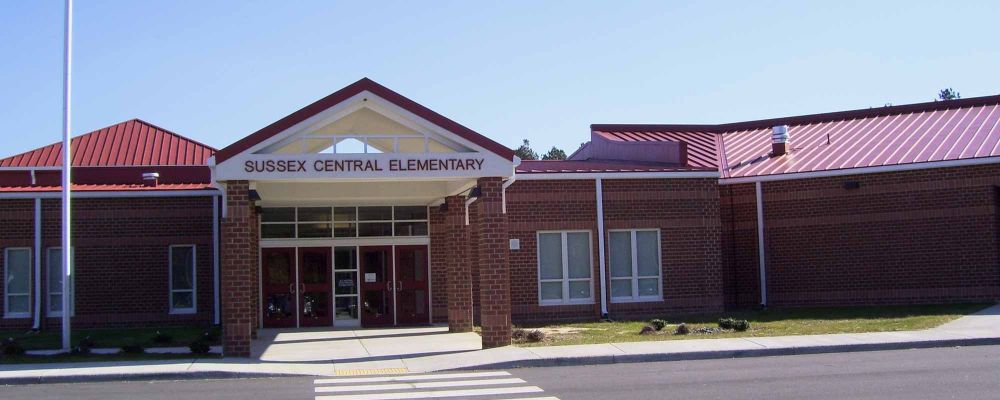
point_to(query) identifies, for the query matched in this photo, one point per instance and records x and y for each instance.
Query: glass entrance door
(376, 285)
(412, 300)
(315, 286)
(279, 287)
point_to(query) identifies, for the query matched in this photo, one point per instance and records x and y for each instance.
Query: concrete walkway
(328, 353)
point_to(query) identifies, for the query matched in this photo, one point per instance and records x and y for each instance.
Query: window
(182, 280)
(635, 265)
(564, 268)
(343, 222)
(17, 282)
(53, 265)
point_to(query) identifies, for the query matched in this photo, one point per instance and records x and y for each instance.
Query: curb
(135, 377)
(721, 354)
(528, 363)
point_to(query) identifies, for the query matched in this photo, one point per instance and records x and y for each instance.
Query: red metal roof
(598, 166)
(918, 133)
(701, 151)
(109, 187)
(346, 93)
(130, 143)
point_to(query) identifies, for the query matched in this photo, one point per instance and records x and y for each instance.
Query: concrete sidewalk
(396, 353)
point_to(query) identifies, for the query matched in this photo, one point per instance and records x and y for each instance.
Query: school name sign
(274, 166)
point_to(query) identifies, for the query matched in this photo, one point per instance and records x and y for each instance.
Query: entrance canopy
(363, 134)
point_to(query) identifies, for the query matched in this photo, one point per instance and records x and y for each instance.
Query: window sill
(183, 312)
(17, 316)
(566, 303)
(636, 300)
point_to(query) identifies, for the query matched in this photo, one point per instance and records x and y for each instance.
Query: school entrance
(363, 209)
(317, 271)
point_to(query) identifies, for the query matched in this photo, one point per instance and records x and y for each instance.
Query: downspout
(598, 186)
(38, 260)
(215, 256)
(510, 181)
(468, 202)
(760, 245)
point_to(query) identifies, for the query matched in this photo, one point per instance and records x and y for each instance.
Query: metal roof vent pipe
(150, 179)
(779, 140)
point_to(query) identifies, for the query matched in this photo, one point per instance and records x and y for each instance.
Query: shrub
(658, 324)
(133, 349)
(726, 323)
(647, 330)
(12, 348)
(200, 347)
(741, 325)
(682, 329)
(162, 338)
(535, 336)
(87, 342)
(519, 335)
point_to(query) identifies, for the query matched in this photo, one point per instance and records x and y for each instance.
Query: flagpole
(67, 270)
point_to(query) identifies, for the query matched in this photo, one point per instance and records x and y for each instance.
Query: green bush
(738, 325)
(12, 348)
(658, 324)
(519, 335)
(210, 336)
(199, 347)
(83, 346)
(647, 330)
(682, 329)
(741, 325)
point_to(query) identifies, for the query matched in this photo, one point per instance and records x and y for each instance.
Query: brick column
(459, 269)
(238, 270)
(494, 268)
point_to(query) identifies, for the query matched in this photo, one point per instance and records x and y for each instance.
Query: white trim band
(615, 175)
(112, 194)
(862, 170)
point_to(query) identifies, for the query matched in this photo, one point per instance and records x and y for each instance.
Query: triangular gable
(346, 93)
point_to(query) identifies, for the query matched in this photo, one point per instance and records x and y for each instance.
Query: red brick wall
(121, 256)
(685, 210)
(440, 253)
(239, 276)
(926, 236)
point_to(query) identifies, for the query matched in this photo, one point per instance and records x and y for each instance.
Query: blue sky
(510, 70)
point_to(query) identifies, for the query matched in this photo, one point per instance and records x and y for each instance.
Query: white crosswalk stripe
(493, 385)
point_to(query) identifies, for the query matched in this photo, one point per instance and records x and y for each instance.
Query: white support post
(760, 244)
(598, 186)
(38, 263)
(215, 258)
(67, 269)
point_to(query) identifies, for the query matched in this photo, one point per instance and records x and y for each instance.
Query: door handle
(388, 286)
(399, 288)
(291, 288)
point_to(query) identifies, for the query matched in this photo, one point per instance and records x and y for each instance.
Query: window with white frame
(635, 265)
(182, 279)
(17, 282)
(53, 265)
(564, 268)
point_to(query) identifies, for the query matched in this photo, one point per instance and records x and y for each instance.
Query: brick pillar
(238, 270)
(494, 268)
(459, 269)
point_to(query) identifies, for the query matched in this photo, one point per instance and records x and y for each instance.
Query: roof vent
(779, 140)
(150, 179)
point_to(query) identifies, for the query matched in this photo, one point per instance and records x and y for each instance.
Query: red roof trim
(344, 94)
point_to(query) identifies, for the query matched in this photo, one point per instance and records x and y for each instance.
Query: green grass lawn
(777, 322)
(52, 339)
